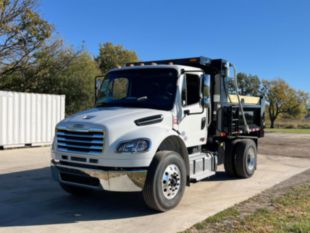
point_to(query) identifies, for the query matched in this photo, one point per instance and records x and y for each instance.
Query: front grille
(82, 142)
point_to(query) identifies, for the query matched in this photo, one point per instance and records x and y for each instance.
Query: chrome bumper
(110, 180)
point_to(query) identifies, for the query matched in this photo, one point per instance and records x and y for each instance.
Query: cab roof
(204, 63)
(191, 61)
(179, 68)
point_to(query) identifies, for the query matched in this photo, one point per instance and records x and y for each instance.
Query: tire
(75, 190)
(245, 158)
(165, 182)
(229, 159)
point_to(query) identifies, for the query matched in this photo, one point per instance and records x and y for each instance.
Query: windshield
(142, 88)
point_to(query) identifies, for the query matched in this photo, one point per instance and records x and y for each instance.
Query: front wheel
(166, 180)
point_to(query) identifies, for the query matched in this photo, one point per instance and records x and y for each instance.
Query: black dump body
(233, 124)
(227, 120)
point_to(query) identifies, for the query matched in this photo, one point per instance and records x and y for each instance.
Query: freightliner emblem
(77, 126)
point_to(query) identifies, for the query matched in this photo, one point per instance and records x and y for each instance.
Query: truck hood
(111, 115)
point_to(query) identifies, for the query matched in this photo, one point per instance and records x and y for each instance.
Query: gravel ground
(265, 201)
(285, 144)
(288, 145)
(31, 202)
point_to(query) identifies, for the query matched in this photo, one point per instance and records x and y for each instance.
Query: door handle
(203, 122)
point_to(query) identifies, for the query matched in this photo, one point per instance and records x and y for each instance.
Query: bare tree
(22, 33)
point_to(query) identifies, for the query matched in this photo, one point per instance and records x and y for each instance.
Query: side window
(120, 87)
(105, 89)
(191, 90)
(206, 88)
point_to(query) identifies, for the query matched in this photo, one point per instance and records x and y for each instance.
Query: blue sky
(270, 38)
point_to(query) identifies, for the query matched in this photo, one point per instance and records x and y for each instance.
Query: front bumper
(95, 178)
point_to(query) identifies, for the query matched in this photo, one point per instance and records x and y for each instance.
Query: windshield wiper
(102, 104)
(142, 98)
(131, 99)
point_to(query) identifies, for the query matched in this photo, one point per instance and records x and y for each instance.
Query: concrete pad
(31, 202)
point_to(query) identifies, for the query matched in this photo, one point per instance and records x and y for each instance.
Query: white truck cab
(156, 127)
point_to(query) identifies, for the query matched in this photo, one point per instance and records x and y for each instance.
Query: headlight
(137, 145)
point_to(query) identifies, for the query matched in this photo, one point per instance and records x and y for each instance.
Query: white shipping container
(28, 118)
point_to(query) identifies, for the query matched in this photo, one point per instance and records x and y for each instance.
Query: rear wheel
(166, 180)
(245, 158)
(229, 158)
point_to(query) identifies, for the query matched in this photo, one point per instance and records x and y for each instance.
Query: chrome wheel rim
(251, 160)
(171, 181)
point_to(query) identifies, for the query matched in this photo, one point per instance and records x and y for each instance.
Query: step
(202, 165)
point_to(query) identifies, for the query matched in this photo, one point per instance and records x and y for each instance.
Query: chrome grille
(83, 142)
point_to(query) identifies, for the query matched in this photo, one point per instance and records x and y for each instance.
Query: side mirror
(205, 101)
(98, 82)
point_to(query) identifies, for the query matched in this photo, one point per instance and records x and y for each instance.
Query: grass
(228, 213)
(290, 124)
(287, 213)
(281, 130)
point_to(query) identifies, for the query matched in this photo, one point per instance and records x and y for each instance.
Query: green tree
(111, 56)
(300, 111)
(247, 84)
(63, 72)
(78, 83)
(283, 100)
(22, 33)
(308, 107)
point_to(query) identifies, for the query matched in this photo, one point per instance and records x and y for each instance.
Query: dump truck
(157, 127)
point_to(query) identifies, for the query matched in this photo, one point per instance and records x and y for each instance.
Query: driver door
(193, 123)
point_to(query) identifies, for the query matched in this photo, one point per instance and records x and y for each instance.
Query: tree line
(282, 101)
(32, 60)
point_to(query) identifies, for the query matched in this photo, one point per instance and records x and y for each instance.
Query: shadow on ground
(220, 176)
(32, 198)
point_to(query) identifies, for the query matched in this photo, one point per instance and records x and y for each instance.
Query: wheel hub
(251, 159)
(171, 181)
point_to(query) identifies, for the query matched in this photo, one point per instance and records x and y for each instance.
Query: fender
(175, 143)
(155, 133)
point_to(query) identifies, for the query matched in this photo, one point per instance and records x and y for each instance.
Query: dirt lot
(234, 219)
(285, 144)
(250, 215)
(31, 202)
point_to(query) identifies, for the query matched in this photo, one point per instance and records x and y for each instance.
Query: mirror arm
(187, 112)
(98, 78)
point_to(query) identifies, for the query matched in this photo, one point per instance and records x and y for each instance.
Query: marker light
(193, 60)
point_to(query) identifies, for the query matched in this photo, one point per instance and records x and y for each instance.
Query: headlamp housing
(132, 146)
